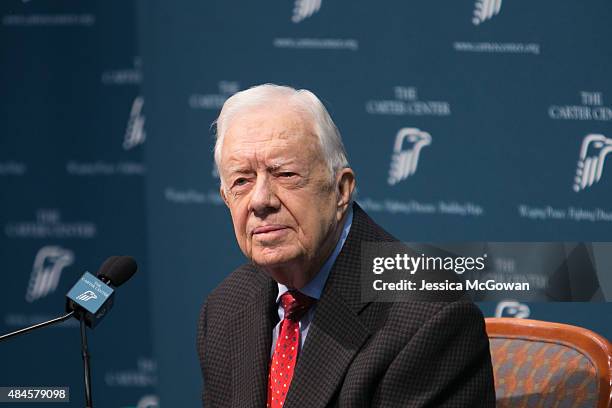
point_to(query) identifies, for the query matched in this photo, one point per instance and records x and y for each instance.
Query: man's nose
(263, 197)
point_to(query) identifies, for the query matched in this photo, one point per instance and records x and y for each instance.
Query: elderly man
(289, 328)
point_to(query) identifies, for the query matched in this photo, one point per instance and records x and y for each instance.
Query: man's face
(284, 207)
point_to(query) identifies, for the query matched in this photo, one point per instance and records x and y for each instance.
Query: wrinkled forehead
(273, 131)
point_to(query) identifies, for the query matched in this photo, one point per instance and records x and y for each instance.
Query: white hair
(261, 95)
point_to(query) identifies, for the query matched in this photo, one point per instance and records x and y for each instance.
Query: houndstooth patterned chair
(543, 364)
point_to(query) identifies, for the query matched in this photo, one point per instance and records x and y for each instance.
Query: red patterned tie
(295, 304)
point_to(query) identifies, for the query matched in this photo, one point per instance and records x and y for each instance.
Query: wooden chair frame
(592, 345)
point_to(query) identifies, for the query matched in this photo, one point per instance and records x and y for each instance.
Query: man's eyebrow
(239, 170)
(277, 164)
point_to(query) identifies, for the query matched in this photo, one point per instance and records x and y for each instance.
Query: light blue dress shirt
(314, 288)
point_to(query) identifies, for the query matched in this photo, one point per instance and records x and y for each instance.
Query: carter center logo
(591, 162)
(48, 265)
(485, 10)
(405, 158)
(134, 132)
(511, 308)
(304, 9)
(85, 296)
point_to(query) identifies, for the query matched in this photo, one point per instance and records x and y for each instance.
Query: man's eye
(287, 174)
(240, 181)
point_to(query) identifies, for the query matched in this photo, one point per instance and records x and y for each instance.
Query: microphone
(117, 269)
(92, 297)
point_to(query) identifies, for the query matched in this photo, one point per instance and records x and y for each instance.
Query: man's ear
(345, 181)
(223, 196)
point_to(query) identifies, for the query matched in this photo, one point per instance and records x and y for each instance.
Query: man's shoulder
(365, 228)
(411, 316)
(422, 311)
(237, 288)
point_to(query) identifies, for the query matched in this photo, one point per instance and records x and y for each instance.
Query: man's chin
(271, 260)
(277, 263)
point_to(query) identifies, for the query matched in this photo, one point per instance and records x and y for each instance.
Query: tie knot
(295, 304)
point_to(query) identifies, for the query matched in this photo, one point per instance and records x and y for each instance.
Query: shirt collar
(314, 288)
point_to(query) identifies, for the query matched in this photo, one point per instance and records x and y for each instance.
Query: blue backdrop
(73, 193)
(106, 148)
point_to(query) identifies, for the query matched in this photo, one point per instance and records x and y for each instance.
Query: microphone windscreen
(118, 269)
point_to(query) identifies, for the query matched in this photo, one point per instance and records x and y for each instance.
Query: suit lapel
(250, 344)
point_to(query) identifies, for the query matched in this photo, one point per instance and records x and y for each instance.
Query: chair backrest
(544, 364)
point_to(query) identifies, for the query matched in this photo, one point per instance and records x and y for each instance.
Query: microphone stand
(36, 326)
(86, 369)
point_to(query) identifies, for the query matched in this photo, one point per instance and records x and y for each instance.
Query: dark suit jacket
(403, 354)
